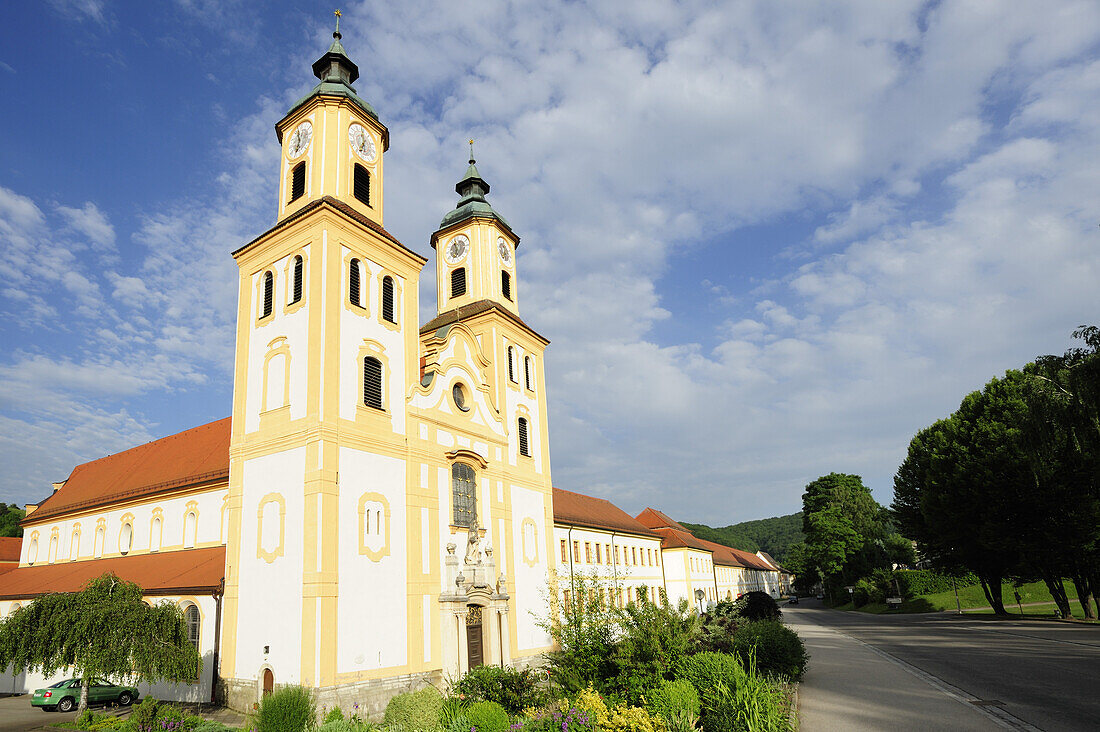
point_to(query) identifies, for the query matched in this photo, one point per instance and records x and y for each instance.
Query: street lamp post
(699, 599)
(958, 606)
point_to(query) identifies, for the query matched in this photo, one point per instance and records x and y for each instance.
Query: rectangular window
(564, 552)
(587, 552)
(599, 558)
(576, 551)
(298, 181)
(633, 555)
(607, 552)
(362, 184)
(566, 599)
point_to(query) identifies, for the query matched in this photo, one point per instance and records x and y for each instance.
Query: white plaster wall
(21, 683)
(529, 589)
(627, 576)
(270, 605)
(293, 326)
(372, 625)
(514, 398)
(356, 327)
(208, 511)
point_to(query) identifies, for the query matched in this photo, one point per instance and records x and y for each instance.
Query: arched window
(97, 548)
(154, 535)
(528, 367)
(126, 539)
(524, 447)
(53, 549)
(74, 544)
(298, 181)
(511, 364)
(464, 486)
(506, 284)
(296, 294)
(387, 299)
(190, 528)
(269, 294)
(458, 282)
(353, 283)
(193, 621)
(372, 382)
(362, 184)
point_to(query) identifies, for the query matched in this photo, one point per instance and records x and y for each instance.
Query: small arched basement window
(464, 488)
(372, 382)
(506, 284)
(458, 282)
(298, 181)
(524, 446)
(387, 300)
(269, 294)
(361, 186)
(354, 295)
(296, 294)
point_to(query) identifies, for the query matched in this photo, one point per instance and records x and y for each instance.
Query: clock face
(457, 249)
(299, 140)
(362, 143)
(505, 252)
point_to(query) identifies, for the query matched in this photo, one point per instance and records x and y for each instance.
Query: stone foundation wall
(372, 696)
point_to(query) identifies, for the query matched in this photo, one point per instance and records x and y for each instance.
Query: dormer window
(298, 181)
(506, 284)
(458, 282)
(361, 185)
(269, 294)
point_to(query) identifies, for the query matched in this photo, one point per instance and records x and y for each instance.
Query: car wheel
(125, 699)
(66, 705)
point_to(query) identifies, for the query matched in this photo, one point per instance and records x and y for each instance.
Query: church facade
(378, 511)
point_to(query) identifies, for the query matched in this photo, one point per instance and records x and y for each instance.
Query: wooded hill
(772, 535)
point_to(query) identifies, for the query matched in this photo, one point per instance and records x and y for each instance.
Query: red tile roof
(576, 509)
(654, 519)
(678, 539)
(192, 571)
(192, 457)
(10, 548)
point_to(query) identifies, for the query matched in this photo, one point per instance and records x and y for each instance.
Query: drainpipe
(569, 551)
(714, 575)
(615, 565)
(214, 676)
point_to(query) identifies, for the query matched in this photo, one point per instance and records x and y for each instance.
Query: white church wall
(372, 612)
(271, 566)
(530, 590)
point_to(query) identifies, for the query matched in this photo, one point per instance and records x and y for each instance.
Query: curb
(792, 716)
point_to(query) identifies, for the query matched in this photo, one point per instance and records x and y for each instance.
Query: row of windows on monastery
(611, 555)
(125, 538)
(699, 564)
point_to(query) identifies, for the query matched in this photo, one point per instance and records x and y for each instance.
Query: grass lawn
(972, 596)
(1046, 610)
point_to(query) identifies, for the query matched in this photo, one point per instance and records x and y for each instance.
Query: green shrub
(416, 710)
(718, 626)
(287, 709)
(144, 715)
(561, 717)
(334, 715)
(704, 669)
(757, 605)
(861, 593)
(453, 708)
(487, 716)
(915, 582)
(654, 637)
(458, 723)
(340, 725)
(777, 649)
(631, 719)
(209, 725)
(513, 689)
(674, 698)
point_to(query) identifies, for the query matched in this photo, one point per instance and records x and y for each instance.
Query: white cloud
(90, 222)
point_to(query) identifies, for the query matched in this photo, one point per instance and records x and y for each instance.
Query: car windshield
(59, 684)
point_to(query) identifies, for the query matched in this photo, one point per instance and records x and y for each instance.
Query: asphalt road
(17, 715)
(1021, 674)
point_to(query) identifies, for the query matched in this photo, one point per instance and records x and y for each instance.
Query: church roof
(191, 571)
(462, 312)
(192, 457)
(9, 552)
(576, 509)
(473, 189)
(727, 556)
(655, 519)
(680, 539)
(342, 208)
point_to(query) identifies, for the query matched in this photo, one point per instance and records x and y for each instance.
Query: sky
(768, 241)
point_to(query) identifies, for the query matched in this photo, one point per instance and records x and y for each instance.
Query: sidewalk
(848, 686)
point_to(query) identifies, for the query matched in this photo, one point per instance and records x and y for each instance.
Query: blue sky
(766, 242)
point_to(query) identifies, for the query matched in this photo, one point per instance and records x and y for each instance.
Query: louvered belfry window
(269, 293)
(464, 485)
(372, 382)
(527, 372)
(458, 282)
(524, 447)
(362, 184)
(353, 283)
(298, 181)
(511, 364)
(506, 284)
(387, 299)
(297, 294)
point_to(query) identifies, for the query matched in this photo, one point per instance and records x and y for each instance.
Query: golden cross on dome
(337, 14)
(471, 149)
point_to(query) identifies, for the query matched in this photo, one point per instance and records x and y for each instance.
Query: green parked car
(65, 695)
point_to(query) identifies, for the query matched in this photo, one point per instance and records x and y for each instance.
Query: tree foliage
(773, 535)
(10, 516)
(1007, 486)
(104, 630)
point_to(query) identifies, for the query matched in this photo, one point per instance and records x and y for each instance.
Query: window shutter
(527, 371)
(372, 382)
(506, 284)
(353, 283)
(298, 181)
(387, 299)
(524, 448)
(297, 279)
(458, 282)
(511, 364)
(269, 293)
(362, 184)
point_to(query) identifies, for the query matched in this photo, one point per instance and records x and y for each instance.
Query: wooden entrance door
(269, 681)
(475, 641)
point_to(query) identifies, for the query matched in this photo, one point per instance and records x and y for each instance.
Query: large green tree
(10, 516)
(844, 527)
(104, 630)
